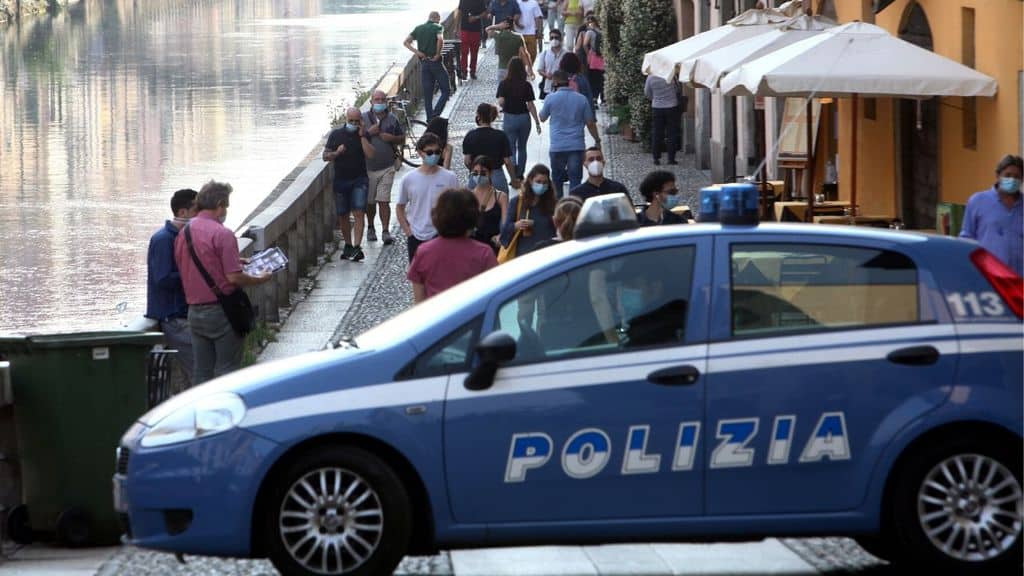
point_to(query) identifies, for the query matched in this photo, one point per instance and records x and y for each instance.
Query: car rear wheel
(338, 511)
(960, 506)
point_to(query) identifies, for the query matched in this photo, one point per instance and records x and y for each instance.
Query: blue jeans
(566, 166)
(498, 179)
(431, 73)
(350, 195)
(517, 128)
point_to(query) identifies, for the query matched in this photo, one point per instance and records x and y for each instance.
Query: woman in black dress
(493, 203)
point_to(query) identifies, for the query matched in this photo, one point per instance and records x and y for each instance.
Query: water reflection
(109, 107)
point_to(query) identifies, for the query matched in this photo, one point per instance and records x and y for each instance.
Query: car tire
(958, 507)
(876, 545)
(337, 510)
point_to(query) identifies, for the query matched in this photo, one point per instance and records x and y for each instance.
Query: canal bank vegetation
(13, 9)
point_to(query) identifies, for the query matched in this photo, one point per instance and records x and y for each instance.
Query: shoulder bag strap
(199, 265)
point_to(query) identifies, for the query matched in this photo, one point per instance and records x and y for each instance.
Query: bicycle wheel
(413, 130)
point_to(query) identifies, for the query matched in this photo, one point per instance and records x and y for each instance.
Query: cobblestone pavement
(386, 293)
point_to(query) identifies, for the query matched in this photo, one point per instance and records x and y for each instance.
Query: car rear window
(785, 288)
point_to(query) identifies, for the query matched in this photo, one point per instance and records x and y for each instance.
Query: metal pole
(810, 162)
(853, 161)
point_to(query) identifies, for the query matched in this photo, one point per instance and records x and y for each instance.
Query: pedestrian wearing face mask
(596, 184)
(349, 146)
(493, 203)
(531, 212)
(995, 218)
(660, 191)
(386, 135)
(549, 60)
(419, 191)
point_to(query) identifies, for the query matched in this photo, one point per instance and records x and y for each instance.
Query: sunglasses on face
(478, 173)
(432, 152)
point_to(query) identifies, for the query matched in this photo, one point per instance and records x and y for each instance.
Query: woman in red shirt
(453, 256)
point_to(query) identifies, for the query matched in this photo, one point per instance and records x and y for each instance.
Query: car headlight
(209, 415)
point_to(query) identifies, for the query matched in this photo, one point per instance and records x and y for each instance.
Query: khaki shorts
(381, 183)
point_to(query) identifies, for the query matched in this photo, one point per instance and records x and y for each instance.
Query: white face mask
(556, 43)
(595, 168)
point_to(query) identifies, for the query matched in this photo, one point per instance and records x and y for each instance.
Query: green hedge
(634, 28)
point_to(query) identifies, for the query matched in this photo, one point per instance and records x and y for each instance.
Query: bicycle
(412, 127)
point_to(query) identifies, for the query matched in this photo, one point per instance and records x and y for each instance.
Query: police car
(707, 381)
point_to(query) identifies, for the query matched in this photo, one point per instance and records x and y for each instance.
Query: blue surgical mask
(671, 201)
(632, 301)
(351, 127)
(539, 189)
(432, 159)
(378, 108)
(1009, 185)
(474, 181)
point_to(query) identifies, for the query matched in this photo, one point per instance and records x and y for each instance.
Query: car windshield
(440, 306)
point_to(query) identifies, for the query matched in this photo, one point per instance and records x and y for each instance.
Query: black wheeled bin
(74, 396)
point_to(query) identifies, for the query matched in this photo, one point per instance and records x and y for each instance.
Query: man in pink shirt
(453, 256)
(216, 346)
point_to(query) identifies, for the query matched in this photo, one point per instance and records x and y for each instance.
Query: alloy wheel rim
(971, 507)
(331, 521)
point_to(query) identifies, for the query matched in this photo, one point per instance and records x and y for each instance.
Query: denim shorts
(350, 195)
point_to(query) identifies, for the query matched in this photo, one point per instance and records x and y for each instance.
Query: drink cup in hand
(528, 231)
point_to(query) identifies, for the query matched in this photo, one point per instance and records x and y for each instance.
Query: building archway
(917, 128)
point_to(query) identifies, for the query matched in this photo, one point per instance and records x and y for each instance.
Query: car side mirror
(494, 350)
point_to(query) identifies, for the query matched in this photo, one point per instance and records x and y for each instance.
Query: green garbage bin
(74, 396)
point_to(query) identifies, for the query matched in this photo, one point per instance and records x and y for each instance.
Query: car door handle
(675, 376)
(914, 356)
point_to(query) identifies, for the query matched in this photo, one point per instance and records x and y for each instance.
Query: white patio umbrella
(855, 59)
(665, 62)
(710, 67)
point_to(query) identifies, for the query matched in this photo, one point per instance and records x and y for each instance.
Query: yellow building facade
(912, 155)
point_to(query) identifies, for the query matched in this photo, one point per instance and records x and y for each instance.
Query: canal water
(108, 107)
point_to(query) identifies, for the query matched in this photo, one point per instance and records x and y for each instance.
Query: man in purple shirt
(215, 344)
(995, 217)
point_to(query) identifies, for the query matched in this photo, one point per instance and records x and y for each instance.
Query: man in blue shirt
(995, 218)
(165, 297)
(504, 9)
(569, 112)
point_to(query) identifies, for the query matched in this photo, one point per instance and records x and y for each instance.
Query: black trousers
(666, 120)
(413, 243)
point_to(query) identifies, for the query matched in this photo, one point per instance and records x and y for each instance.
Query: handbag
(540, 89)
(237, 306)
(507, 253)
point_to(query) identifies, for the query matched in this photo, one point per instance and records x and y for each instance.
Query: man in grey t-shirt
(419, 191)
(386, 135)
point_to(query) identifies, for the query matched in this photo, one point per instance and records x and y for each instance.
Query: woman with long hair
(439, 126)
(531, 212)
(485, 140)
(493, 203)
(570, 64)
(516, 99)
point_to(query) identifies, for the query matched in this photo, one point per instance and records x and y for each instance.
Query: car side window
(784, 288)
(631, 301)
(449, 355)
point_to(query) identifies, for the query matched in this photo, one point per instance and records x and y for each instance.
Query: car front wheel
(338, 510)
(961, 506)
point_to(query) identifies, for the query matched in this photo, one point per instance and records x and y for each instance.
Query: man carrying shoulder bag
(211, 273)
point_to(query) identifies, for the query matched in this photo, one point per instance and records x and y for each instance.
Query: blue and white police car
(664, 384)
